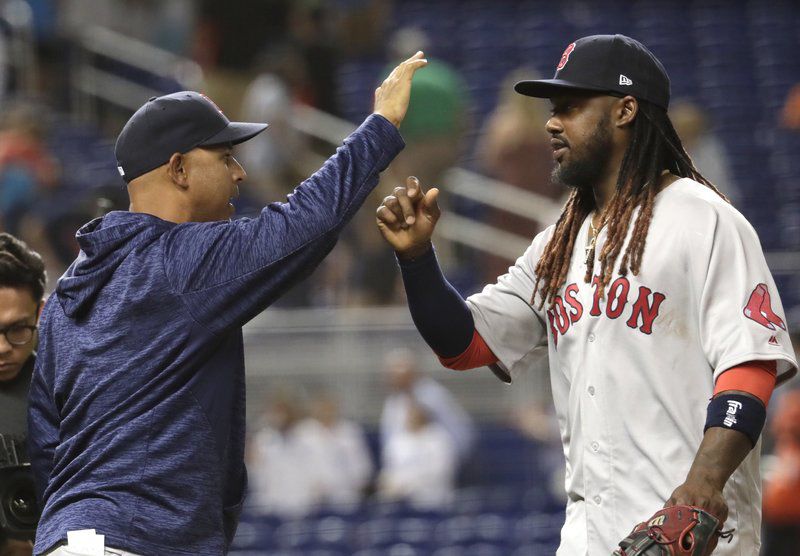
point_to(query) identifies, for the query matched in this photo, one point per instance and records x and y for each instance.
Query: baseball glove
(674, 531)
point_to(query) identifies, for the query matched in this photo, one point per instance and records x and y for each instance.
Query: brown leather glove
(674, 531)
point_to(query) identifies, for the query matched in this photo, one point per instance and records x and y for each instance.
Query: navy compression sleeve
(440, 314)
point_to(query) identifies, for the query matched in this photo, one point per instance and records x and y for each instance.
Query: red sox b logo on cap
(565, 56)
(759, 309)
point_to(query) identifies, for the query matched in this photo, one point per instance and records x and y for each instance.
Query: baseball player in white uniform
(650, 297)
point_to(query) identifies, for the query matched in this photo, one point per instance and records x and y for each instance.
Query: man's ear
(177, 171)
(625, 111)
(40, 308)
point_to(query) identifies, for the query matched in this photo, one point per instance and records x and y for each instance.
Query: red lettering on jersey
(598, 294)
(646, 310)
(565, 56)
(617, 297)
(552, 318)
(561, 314)
(759, 309)
(567, 309)
(570, 297)
(559, 320)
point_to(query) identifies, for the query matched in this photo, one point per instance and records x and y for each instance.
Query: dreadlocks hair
(21, 267)
(654, 147)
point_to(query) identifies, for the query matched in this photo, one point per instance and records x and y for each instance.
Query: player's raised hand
(391, 98)
(407, 218)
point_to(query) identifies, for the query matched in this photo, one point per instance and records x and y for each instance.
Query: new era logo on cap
(624, 80)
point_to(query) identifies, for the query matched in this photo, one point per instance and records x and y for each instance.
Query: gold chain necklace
(592, 241)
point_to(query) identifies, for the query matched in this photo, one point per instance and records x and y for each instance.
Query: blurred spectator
(228, 40)
(436, 121)
(167, 24)
(372, 273)
(434, 130)
(705, 149)
(278, 159)
(343, 462)
(17, 548)
(790, 116)
(274, 160)
(311, 30)
(514, 147)
(781, 501)
(231, 34)
(420, 463)
(409, 388)
(332, 284)
(362, 26)
(33, 203)
(7, 73)
(536, 421)
(284, 479)
(28, 172)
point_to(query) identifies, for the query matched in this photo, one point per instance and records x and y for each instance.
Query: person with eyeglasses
(19, 342)
(22, 285)
(22, 282)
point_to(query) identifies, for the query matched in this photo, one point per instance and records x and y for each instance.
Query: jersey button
(597, 500)
(591, 337)
(595, 447)
(591, 390)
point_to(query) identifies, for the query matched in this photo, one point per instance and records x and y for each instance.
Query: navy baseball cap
(613, 64)
(175, 123)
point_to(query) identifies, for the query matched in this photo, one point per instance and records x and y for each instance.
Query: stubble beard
(589, 164)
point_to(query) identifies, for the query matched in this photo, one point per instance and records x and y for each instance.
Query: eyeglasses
(18, 334)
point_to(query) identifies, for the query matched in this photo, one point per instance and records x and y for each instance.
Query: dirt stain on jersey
(670, 322)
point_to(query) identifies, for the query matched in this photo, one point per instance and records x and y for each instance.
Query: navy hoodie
(137, 403)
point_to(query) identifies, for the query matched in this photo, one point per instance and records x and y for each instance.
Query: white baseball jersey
(632, 371)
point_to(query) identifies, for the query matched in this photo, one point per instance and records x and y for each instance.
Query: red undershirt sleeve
(754, 377)
(477, 354)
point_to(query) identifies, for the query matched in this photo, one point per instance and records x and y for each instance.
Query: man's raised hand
(407, 218)
(391, 98)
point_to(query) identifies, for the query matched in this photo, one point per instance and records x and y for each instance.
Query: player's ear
(625, 110)
(177, 170)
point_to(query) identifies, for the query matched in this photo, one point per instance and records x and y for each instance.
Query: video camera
(19, 510)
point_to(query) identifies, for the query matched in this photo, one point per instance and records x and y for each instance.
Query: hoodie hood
(104, 242)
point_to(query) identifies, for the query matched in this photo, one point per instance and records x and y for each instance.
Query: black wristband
(737, 412)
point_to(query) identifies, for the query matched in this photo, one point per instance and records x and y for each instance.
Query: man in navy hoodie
(137, 401)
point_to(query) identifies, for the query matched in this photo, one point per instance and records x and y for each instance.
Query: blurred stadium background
(74, 70)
